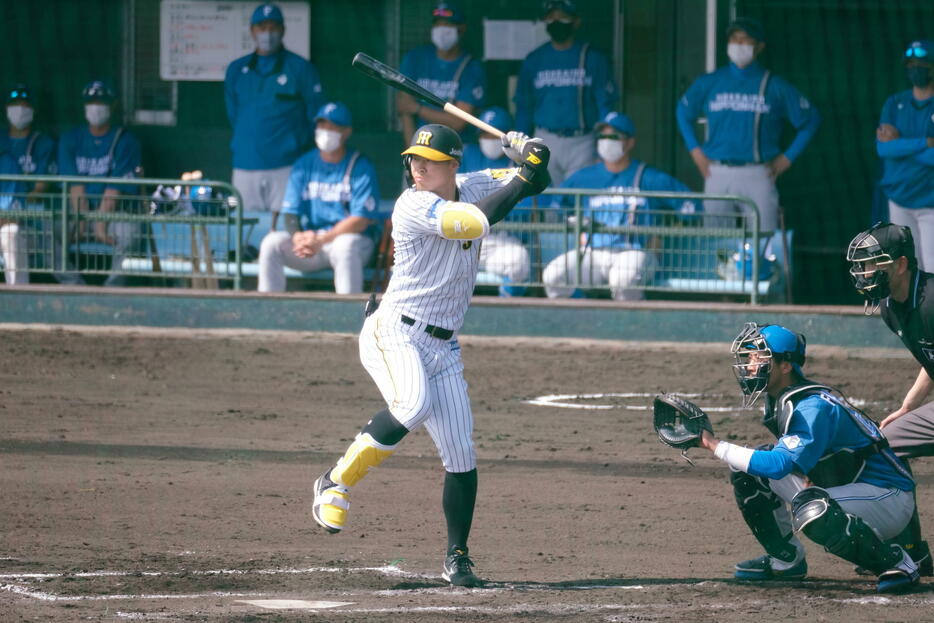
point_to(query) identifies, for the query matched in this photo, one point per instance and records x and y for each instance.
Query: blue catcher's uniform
(745, 110)
(271, 103)
(460, 80)
(821, 437)
(322, 194)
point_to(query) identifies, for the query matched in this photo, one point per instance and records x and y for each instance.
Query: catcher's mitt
(679, 423)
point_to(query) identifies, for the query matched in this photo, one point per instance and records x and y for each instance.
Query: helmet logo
(424, 138)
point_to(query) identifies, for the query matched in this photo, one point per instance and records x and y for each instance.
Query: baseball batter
(409, 344)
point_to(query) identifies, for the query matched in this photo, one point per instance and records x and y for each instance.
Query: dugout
(843, 54)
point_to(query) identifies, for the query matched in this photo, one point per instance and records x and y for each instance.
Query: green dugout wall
(843, 54)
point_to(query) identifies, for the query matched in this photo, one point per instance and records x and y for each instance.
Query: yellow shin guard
(364, 453)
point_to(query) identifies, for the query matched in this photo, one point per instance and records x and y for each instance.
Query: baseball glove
(679, 423)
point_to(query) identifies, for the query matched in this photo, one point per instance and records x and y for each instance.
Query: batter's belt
(433, 331)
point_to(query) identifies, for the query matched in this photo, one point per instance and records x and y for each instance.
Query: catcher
(846, 489)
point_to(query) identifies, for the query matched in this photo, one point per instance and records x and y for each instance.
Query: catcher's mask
(754, 350)
(871, 253)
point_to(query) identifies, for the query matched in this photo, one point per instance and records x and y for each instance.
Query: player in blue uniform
(745, 106)
(445, 69)
(907, 154)
(101, 149)
(272, 96)
(565, 86)
(503, 254)
(624, 261)
(330, 211)
(847, 489)
(23, 151)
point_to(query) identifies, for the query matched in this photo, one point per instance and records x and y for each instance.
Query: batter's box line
(389, 570)
(564, 401)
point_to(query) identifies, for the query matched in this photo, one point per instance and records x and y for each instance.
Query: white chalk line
(562, 401)
(390, 570)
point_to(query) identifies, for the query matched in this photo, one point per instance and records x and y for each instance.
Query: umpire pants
(912, 435)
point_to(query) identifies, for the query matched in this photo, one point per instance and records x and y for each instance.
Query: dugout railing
(168, 231)
(692, 252)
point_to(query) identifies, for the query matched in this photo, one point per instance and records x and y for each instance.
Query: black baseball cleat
(457, 569)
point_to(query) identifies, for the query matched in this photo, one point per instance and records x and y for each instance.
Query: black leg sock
(385, 429)
(460, 493)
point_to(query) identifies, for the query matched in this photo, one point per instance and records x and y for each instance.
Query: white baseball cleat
(332, 501)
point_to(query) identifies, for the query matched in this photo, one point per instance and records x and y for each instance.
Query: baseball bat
(397, 80)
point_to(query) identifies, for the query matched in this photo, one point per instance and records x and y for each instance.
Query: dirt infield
(166, 476)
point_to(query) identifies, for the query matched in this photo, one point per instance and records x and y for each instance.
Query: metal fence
(626, 250)
(115, 228)
(192, 233)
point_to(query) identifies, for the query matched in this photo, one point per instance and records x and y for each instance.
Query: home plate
(294, 604)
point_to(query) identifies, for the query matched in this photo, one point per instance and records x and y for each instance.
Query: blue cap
(449, 12)
(497, 117)
(18, 93)
(750, 26)
(98, 90)
(922, 50)
(785, 342)
(620, 122)
(568, 6)
(335, 112)
(267, 12)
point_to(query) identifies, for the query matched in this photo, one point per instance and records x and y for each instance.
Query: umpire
(745, 105)
(885, 272)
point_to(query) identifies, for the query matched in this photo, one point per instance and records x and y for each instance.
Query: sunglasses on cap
(443, 12)
(19, 94)
(917, 52)
(615, 137)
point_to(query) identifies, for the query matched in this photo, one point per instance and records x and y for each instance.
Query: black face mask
(559, 31)
(919, 76)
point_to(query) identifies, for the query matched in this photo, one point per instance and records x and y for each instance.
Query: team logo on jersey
(282, 79)
(791, 441)
(424, 138)
(497, 174)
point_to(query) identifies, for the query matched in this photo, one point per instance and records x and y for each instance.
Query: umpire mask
(870, 255)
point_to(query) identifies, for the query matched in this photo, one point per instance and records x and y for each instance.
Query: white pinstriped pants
(422, 381)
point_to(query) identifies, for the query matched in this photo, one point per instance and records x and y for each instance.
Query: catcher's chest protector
(836, 467)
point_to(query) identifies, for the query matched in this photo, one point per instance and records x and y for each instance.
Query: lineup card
(199, 38)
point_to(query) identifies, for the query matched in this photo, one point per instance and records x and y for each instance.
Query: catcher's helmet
(754, 350)
(871, 252)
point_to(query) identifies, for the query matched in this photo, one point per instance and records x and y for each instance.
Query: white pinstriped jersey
(432, 277)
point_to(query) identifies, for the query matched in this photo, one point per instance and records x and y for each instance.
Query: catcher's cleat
(760, 570)
(457, 569)
(920, 554)
(332, 501)
(901, 578)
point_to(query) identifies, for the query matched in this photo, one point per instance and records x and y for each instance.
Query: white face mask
(610, 149)
(327, 140)
(444, 37)
(97, 114)
(19, 116)
(268, 41)
(492, 148)
(740, 53)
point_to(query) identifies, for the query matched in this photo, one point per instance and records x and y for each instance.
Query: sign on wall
(199, 38)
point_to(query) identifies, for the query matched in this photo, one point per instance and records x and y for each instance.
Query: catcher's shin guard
(758, 505)
(364, 453)
(822, 519)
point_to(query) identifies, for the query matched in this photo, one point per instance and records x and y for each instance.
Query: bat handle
(466, 116)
